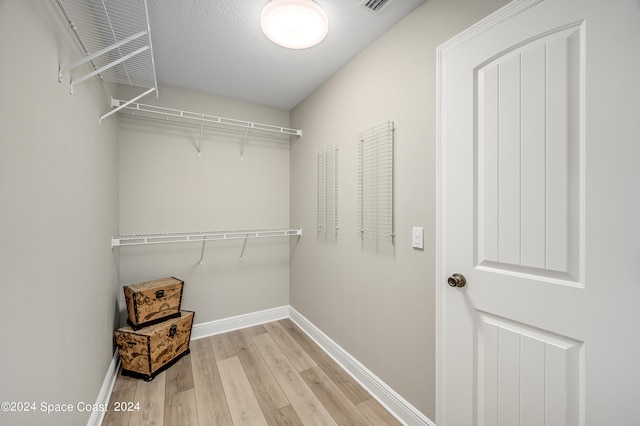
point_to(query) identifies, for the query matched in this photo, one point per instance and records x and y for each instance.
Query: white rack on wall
(202, 121)
(115, 38)
(187, 237)
(203, 237)
(327, 189)
(375, 182)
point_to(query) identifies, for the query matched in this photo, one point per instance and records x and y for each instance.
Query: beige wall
(58, 210)
(378, 305)
(166, 187)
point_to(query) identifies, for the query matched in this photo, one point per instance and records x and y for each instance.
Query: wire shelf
(116, 35)
(186, 237)
(203, 120)
(327, 189)
(375, 182)
(115, 38)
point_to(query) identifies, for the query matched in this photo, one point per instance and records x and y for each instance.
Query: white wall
(166, 187)
(58, 210)
(378, 304)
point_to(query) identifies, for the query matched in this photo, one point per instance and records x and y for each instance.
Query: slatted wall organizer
(375, 182)
(327, 189)
(205, 121)
(203, 237)
(115, 38)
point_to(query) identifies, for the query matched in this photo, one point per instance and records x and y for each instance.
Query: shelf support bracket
(106, 67)
(201, 131)
(202, 252)
(96, 54)
(243, 246)
(116, 103)
(246, 133)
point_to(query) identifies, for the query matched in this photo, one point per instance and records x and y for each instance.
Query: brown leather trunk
(146, 352)
(151, 302)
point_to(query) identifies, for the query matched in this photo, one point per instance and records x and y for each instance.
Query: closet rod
(186, 237)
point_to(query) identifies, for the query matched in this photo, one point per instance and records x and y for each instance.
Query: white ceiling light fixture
(294, 24)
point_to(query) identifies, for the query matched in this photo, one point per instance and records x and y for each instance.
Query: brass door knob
(457, 280)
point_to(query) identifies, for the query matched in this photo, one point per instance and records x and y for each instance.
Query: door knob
(457, 280)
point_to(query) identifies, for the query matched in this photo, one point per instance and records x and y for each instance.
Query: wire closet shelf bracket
(115, 39)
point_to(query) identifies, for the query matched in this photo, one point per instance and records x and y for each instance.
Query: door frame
(502, 14)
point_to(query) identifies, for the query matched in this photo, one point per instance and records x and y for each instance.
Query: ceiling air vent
(374, 6)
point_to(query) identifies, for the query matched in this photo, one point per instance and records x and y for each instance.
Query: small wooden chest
(153, 301)
(148, 351)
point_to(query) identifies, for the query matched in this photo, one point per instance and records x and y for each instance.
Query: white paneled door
(539, 167)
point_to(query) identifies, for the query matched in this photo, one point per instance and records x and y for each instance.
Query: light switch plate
(417, 238)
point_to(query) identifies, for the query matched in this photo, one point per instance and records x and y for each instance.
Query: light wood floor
(271, 374)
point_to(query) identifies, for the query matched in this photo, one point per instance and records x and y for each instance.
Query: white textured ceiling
(216, 46)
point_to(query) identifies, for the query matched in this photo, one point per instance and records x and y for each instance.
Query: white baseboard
(105, 391)
(391, 400)
(394, 403)
(241, 321)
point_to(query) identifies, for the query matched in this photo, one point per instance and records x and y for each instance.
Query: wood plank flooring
(271, 374)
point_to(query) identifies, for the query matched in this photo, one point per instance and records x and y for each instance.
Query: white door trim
(506, 12)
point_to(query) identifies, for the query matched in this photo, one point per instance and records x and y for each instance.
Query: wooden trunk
(153, 301)
(146, 352)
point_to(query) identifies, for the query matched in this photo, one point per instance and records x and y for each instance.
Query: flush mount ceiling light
(294, 24)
